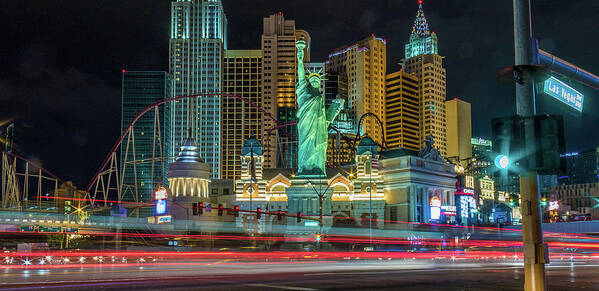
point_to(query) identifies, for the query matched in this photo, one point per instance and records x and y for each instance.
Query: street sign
(564, 93)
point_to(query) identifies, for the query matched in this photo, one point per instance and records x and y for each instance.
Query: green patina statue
(313, 120)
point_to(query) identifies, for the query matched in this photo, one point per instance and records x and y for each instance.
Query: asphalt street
(306, 275)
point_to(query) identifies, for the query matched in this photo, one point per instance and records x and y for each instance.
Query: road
(300, 275)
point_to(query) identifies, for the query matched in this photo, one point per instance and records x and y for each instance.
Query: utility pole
(529, 61)
(532, 235)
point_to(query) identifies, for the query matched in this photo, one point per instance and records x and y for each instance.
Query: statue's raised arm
(300, 45)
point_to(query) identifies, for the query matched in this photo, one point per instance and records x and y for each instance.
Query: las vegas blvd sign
(564, 93)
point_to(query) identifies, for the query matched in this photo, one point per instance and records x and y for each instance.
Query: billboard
(160, 207)
(564, 93)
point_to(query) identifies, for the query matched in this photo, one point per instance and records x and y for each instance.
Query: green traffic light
(502, 161)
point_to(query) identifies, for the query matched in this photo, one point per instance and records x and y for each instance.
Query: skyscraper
(197, 43)
(422, 60)
(482, 151)
(279, 69)
(340, 149)
(582, 167)
(141, 161)
(459, 129)
(402, 112)
(242, 76)
(364, 63)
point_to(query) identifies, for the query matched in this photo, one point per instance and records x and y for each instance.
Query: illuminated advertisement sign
(160, 207)
(435, 212)
(450, 210)
(435, 204)
(481, 141)
(311, 223)
(553, 205)
(466, 204)
(564, 93)
(160, 194)
(465, 191)
(164, 219)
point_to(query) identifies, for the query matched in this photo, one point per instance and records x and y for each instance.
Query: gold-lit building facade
(242, 76)
(402, 112)
(279, 75)
(459, 129)
(423, 60)
(365, 65)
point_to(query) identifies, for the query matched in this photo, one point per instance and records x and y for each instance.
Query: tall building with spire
(422, 40)
(198, 38)
(423, 60)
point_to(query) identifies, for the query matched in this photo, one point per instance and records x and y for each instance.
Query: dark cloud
(61, 59)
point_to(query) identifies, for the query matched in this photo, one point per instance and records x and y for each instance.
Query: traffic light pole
(529, 57)
(532, 235)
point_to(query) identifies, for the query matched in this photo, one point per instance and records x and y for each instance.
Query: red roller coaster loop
(161, 102)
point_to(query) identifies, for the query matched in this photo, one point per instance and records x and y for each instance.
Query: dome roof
(252, 145)
(366, 144)
(189, 152)
(188, 163)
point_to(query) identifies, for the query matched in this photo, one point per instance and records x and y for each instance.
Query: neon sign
(435, 212)
(164, 219)
(553, 205)
(161, 193)
(160, 207)
(564, 93)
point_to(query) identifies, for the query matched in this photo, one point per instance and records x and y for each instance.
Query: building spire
(422, 40)
(420, 24)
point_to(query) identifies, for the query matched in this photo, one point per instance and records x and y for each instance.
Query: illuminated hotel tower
(242, 77)
(196, 48)
(278, 86)
(365, 66)
(423, 60)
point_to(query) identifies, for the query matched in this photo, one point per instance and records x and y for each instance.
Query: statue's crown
(316, 74)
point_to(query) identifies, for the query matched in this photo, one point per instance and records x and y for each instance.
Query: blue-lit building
(141, 161)
(198, 40)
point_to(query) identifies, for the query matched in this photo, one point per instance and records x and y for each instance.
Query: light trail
(264, 257)
(448, 243)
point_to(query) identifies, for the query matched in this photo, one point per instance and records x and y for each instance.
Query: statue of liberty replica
(313, 119)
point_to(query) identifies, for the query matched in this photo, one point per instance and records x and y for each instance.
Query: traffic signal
(200, 208)
(279, 214)
(259, 213)
(540, 152)
(508, 142)
(299, 217)
(544, 201)
(220, 210)
(194, 206)
(550, 143)
(502, 162)
(236, 210)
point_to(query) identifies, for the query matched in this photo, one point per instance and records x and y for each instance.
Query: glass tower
(197, 43)
(141, 164)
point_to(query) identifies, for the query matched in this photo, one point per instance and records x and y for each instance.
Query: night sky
(60, 61)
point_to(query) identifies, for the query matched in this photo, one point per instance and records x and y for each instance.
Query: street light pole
(534, 249)
(370, 200)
